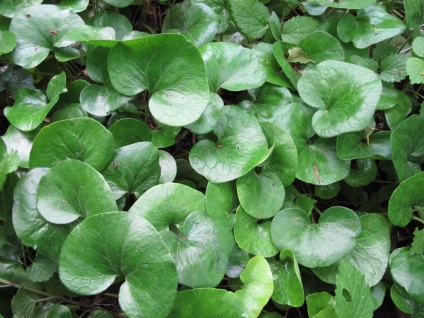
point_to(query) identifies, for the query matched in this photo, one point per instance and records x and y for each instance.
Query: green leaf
(241, 146)
(418, 46)
(252, 236)
(393, 68)
(417, 246)
(9, 8)
(295, 29)
(134, 169)
(237, 64)
(200, 247)
(74, 5)
(197, 22)
(396, 114)
(316, 245)
(13, 78)
(31, 105)
(283, 159)
(321, 46)
(168, 204)
(129, 131)
(407, 270)
(119, 3)
(288, 288)
(163, 135)
(355, 145)
(257, 286)
(73, 189)
(363, 173)
(209, 117)
(345, 95)
(372, 25)
(109, 18)
(237, 262)
(389, 98)
(414, 16)
(251, 17)
(42, 269)
(293, 75)
(71, 111)
(406, 199)
(8, 164)
(297, 55)
(60, 311)
(38, 29)
(168, 167)
(401, 299)
(415, 70)
(96, 64)
(101, 36)
(320, 305)
(133, 249)
(7, 42)
(175, 77)
(220, 199)
(353, 297)
(81, 139)
(27, 304)
(407, 143)
(261, 195)
(31, 228)
(347, 4)
(327, 192)
(372, 247)
(319, 163)
(199, 301)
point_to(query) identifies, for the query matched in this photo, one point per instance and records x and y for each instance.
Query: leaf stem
(416, 218)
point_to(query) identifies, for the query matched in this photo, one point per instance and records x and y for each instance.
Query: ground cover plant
(211, 158)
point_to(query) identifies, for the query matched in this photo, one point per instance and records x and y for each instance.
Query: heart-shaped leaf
(73, 189)
(406, 199)
(31, 106)
(253, 237)
(345, 95)
(38, 29)
(200, 247)
(133, 250)
(170, 68)
(197, 22)
(237, 64)
(407, 143)
(288, 288)
(320, 244)
(101, 100)
(241, 146)
(260, 195)
(168, 204)
(407, 270)
(199, 301)
(82, 139)
(257, 287)
(372, 25)
(319, 163)
(134, 169)
(129, 131)
(31, 228)
(283, 159)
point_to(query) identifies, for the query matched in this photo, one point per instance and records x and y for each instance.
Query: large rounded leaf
(207, 303)
(241, 146)
(407, 198)
(170, 68)
(134, 169)
(321, 46)
(73, 189)
(131, 249)
(258, 286)
(345, 94)
(128, 131)
(319, 163)
(197, 22)
(38, 29)
(320, 244)
(407, 143)
(372, 25)
(407, 270)
(81, 139)
(253, 237)
(31, 228)
(168, 204)
(200, 248)
(232, 67)
(260, 195)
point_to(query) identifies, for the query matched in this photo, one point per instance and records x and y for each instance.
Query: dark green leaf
(129, 131)
(175, 77)
(414, 15)
(362, 174)
(241, 146)
(81, 139)
(316, 245)
(27, 304)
